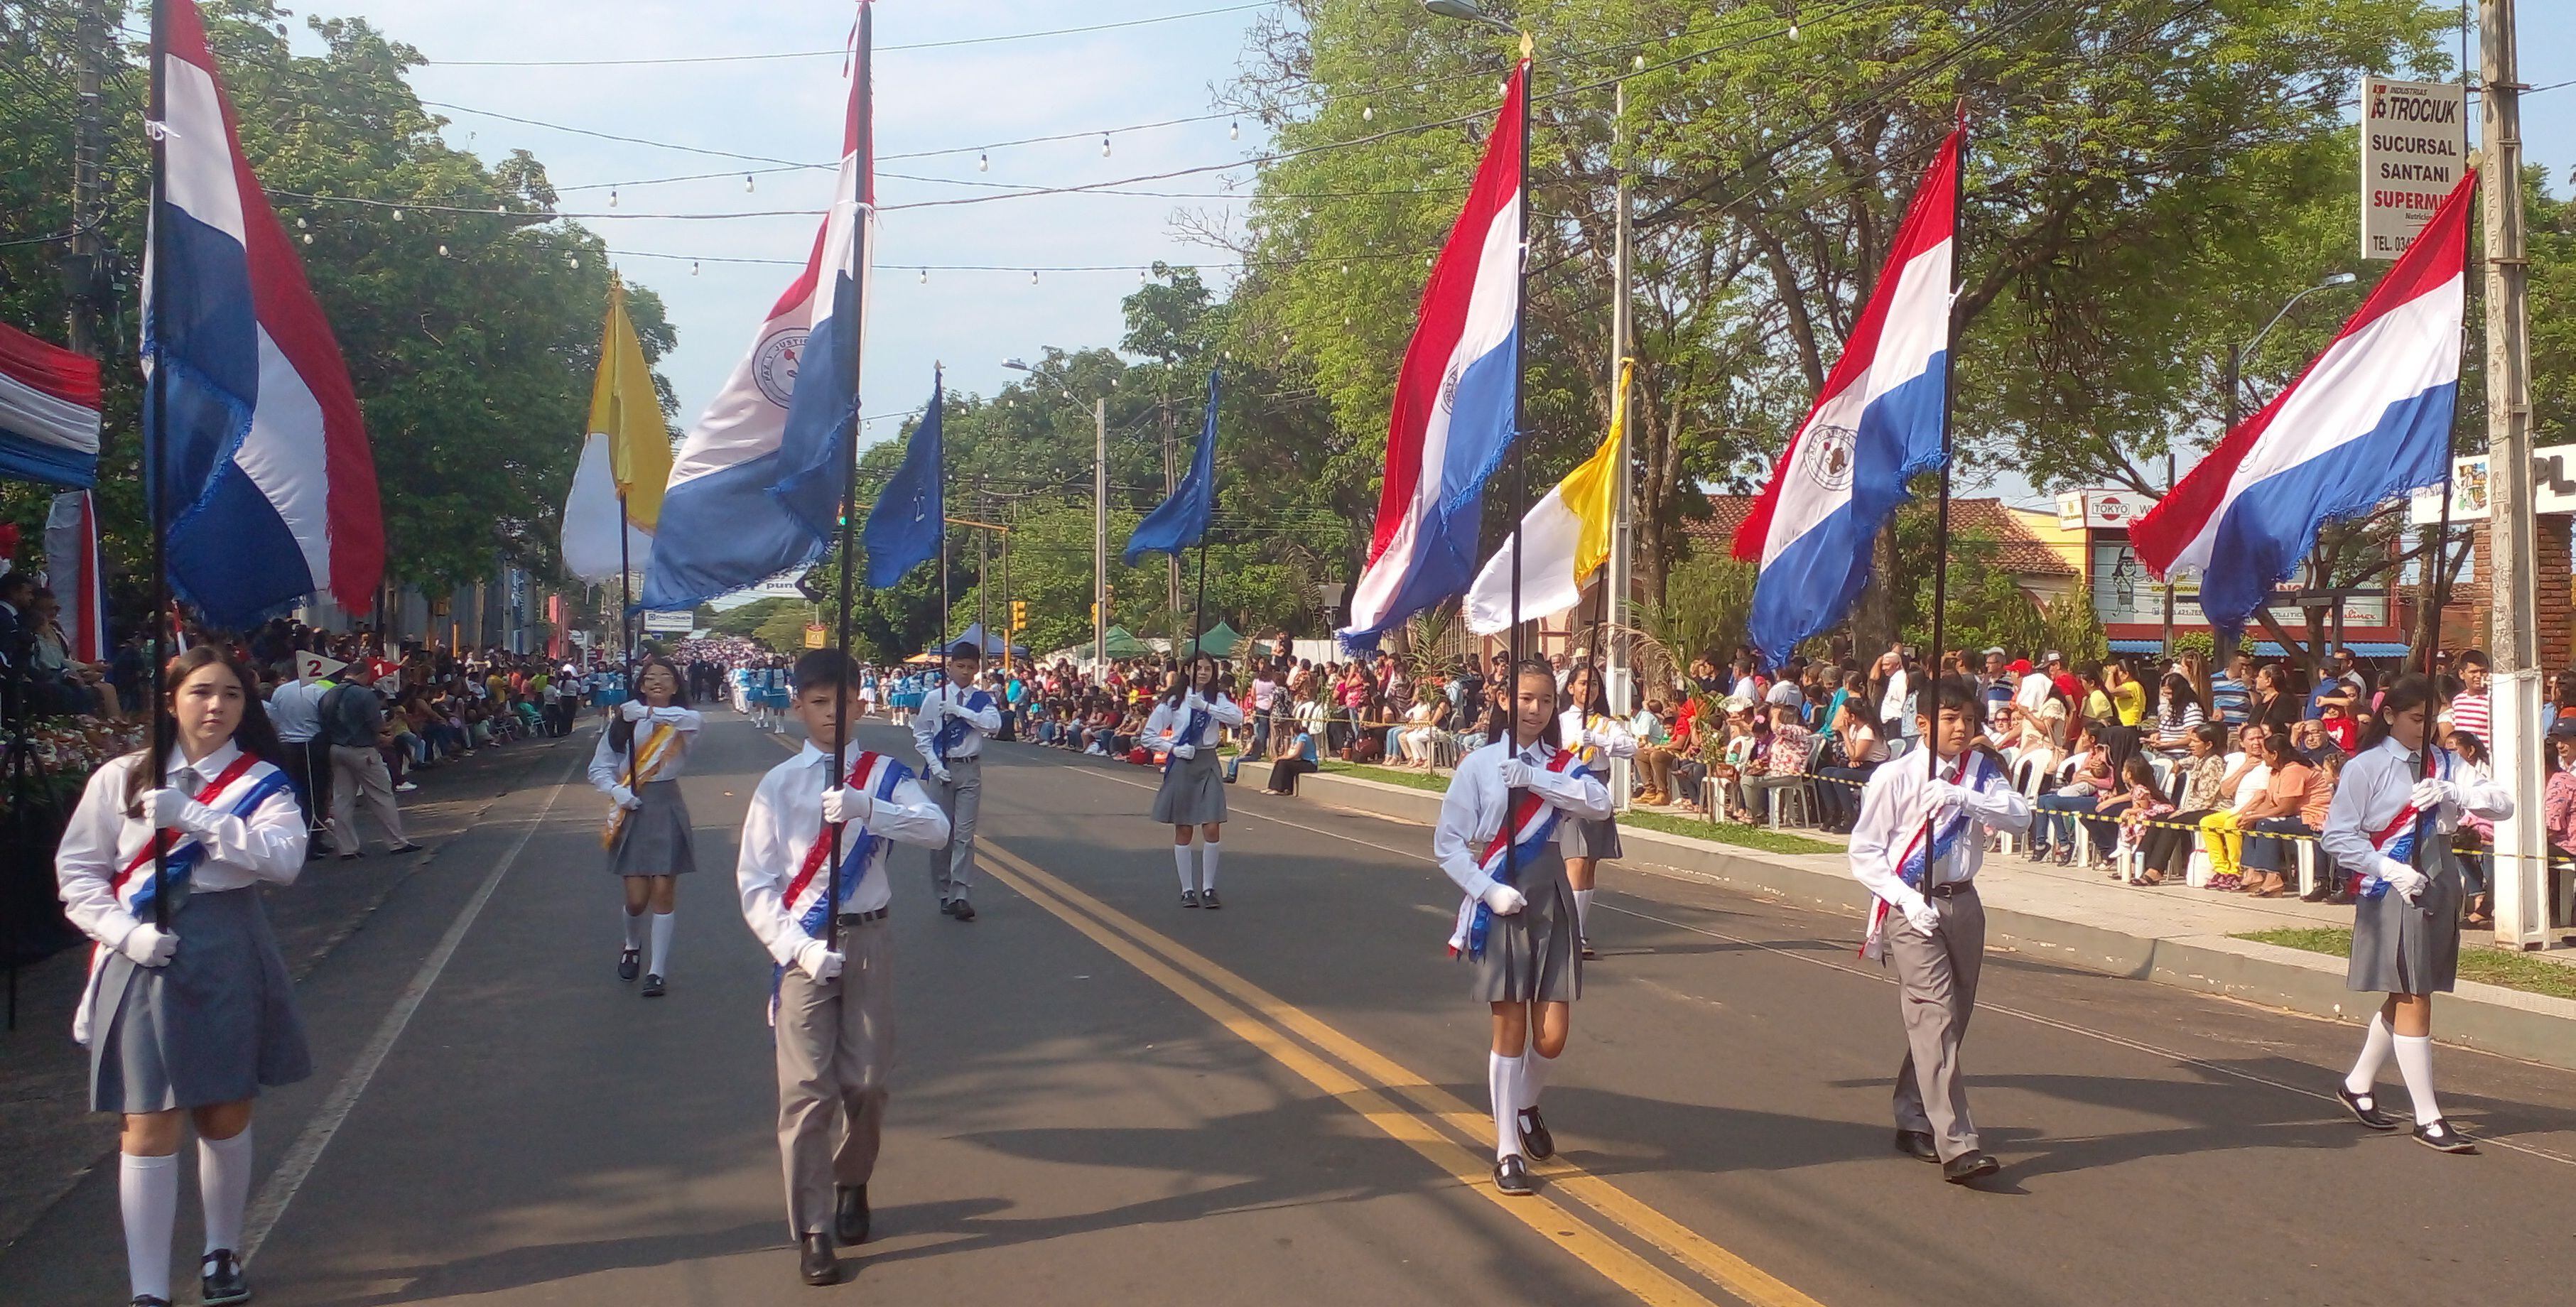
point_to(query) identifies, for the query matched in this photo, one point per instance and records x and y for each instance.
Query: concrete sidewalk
(2169, 934)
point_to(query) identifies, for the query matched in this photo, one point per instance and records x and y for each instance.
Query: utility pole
(983, 560)
(83, 268)
(1100, 537)
(2521, 904)
(1623, 530)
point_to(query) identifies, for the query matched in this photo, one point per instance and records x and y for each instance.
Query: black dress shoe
(815, 1263)
(1189, 898)
(1918, 1143)
(2438, 1134)
(1970, 1165)
(1589, 953)
(1535, 1140)
(850, 1214)
(2365, 1109)
(1511, 1176)
(220, 1280)
(404, 847)
(652, 987)
(147, 1300)
(1207, 899)
(628, 963)
(961, 909)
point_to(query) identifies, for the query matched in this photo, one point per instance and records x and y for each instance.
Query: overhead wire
(842, 50)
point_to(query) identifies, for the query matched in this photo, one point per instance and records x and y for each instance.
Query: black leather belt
(1953, 888)
(863, 918)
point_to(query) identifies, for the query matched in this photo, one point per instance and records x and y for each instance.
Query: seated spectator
(2248, 775)
(2293, 802)
(1298, 759)
(2178, 712)
(2138, 805)
(1781, 764)
(2166, 847)
(2052, 832)
(1838, 786)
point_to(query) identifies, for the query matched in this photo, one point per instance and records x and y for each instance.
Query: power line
(843, 50)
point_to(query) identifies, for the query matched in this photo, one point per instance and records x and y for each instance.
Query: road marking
(297, 1165)
(1165, 959)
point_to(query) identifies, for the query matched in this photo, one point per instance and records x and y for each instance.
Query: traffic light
(1095, 611)
(1019, 613)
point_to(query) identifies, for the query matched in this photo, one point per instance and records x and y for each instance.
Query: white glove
(938, 773)
(624, 797)
(2431, 794)
(149, 945)
(817, 960)
(842, 805)
(1947, 793)
(164, 807)
(1190, 699)
(1920, 914)
(1185, 752)
(1516, 774)
(1502, 900)
(2403, 880)
(634, 710)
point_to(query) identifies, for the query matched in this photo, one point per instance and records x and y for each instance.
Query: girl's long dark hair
(621, 732)
(256, 735)
(1512, 710)
(1592, 700)
(1172, 694)
(2411, 691)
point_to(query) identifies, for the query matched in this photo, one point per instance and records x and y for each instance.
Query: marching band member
(1189, 720)
(1518, 922)
(196, 1016)
(1595, 736)
(949, 730)
(648, 836)
(2391, 825)
(1928, 923)
(833, 1007)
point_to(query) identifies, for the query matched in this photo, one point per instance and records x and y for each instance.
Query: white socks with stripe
(1207, 864)
(1181, 859)
(2415, 1062)
(1503, 1083)
(2374, 1055)
(634, 930)
(1582, 914)
(147, 1191)
(661, 943)
(223, 1185)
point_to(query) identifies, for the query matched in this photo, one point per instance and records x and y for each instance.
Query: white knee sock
(1502, 1081)
(1181, 859)
(1207, 864)
(634, 930)
(147, 1189)
(1582, 913)
(2374, 1055)
(1533, 1078)
(223, 1185)
(661, 943)
(2415, 1062)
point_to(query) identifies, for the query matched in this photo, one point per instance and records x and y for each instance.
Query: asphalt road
(1102, 1097)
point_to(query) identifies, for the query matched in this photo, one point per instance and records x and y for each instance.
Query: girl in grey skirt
(1587, 727)
(1517, 925)
(638, 765)
(188, 1008)
(2391, 827)
(1189, 721)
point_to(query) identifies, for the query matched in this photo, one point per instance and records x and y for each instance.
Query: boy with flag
(949, 729)
(833, 1004)
(1518, 923)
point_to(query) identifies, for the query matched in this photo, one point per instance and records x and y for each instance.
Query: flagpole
(1520, 459)
(625, 611)
(864, 108)
(157, 436)
(1941, 519)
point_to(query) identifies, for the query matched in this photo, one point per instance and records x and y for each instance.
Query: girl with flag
(2390, 826)
(1188, 721)
(1588, 728)
(1517, 924)
(188, 1008)
(648, 835)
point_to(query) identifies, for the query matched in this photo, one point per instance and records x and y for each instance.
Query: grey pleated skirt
(216, 1025)
(656, 839)
(1589, 839)
(1193, 792)
(1532, 955)
(2409, 948)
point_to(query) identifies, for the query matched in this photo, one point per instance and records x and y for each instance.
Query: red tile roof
(2020, 552)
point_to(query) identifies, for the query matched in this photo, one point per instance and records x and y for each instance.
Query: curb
(2533, 1027)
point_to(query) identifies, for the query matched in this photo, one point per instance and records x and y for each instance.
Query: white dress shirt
(267, 846)
(785, 819)
(2375, 787)
(1472, 811)
(608, 766)
(295, 709)
(1164, 725)
(944, 701)
(1603, 736)
(1892, 807)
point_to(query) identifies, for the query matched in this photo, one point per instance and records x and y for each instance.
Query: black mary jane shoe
(147, 1300)
(850, 1214)
(1918, 1144)
(1969, 1167)
(220, 1279)
(961, 909)
(1590, 954)
(2365, 1109)
(1189, 898)
(815, 1264)
(2438, 1135)
(629, 962)
(1207, 900)
(1511, 1175)
(1535, 1140)
(652, 987)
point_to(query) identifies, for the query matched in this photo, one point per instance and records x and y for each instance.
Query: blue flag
(1182, 520)
(911, 513)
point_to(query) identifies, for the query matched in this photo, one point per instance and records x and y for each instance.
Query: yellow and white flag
(1565, 537)
(627, 453)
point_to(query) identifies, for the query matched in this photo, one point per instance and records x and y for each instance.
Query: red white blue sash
(1976, 772)
(2412, 830)
(807, 903)
(1532, 827)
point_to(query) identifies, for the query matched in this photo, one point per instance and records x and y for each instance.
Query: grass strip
(2485, 964)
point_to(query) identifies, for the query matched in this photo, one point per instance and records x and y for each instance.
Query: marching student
(198, 1016)
(1595, 736)
(1189, 719)
(833, 1006)
(1928, 923)
(2390, 825)
(648, 836)
(1518, 924)
(949, 729)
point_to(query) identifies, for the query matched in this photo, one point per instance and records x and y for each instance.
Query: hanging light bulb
(983, 161)
(693, 267)
(571, 262)
(747, 184)
(442, 251)
(308, 238)
(1346, 269)
(1033, 276)
(398, 215)
(300, 224)
(1234, 131)
(1793, 31)
(612, 197)
(1104, 145)
(1368, 113)
(1639, 63)
(1140, 276)
(925, 276)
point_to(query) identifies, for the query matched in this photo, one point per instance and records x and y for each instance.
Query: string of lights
(842, 51)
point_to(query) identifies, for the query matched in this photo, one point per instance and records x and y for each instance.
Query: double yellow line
(1575, 1210)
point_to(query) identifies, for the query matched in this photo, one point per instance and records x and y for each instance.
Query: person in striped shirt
(2228, 691)
(2470, 708)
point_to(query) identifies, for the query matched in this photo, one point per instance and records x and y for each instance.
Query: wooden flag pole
(864, 108)
(157, 438)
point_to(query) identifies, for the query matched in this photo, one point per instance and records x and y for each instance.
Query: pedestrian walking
(649, 837)
(949, 730)
(1189, 720)
(1596, 737)
(833, 1000)
(1517, 925)
(2390, 825)
(1928, 923)
(193, 1018)
(353, 720)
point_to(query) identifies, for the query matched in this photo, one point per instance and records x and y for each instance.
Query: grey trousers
(835, 1046)
(1936, 982)
(961, 797)
(359, 775)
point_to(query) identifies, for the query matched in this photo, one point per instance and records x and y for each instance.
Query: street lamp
(1099, 514)
(1466, 12)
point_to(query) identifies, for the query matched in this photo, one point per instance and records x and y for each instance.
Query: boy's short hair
(825, 667)
(966, 649)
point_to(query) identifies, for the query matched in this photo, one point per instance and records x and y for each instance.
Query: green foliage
(1707, 602)
(744, 620)
(1986, 605)
(2070, 626)
(2202, 643)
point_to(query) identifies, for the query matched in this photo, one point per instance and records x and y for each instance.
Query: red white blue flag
(72, 572)
(1455, 399)
(49, 407)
